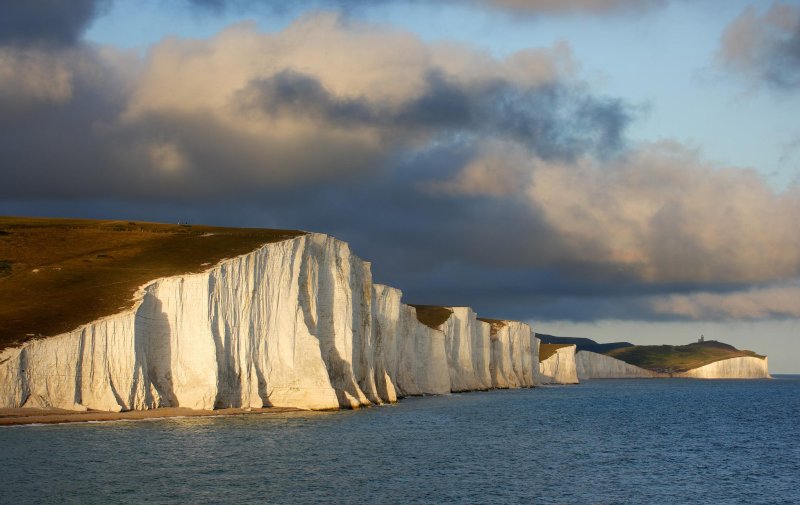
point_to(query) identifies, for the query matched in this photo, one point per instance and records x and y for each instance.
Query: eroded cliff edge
(297, 323)
(559, 367)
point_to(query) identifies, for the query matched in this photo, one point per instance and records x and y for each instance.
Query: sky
(610, 169)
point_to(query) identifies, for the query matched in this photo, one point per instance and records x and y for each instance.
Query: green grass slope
(678, 358)
(56, 274)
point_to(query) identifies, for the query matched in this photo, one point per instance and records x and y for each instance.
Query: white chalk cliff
(514, 355)
(559, 368)
(591, 365)
(297, 323)
(467, 342)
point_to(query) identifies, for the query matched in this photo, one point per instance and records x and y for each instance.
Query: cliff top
(432, 316)
(56, 274)
(678, 358)
(495, 324)
(547, 350)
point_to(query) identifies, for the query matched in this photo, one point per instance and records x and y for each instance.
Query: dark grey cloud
(783, 68)
(47, 21)
(765, 46)
(554, 120)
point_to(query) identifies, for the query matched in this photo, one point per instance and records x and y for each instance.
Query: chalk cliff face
(286, 325)
(734, 368)
(468, 351)
(514, 355)
(560, 367)
(297, 323)
(411, 357)
(591, 365)
(524, 353)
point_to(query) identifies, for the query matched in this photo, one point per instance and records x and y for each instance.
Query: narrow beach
(15, 417)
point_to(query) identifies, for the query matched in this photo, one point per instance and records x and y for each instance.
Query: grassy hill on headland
(658, 358)
(56, 274)
(678, 358)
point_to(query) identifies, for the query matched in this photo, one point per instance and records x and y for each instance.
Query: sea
(656, 441)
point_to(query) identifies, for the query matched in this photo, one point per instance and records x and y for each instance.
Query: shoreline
(30, 416)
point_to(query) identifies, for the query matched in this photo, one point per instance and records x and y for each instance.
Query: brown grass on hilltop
(432, 316)
(547, 350)
(56, 274)
(495, 324)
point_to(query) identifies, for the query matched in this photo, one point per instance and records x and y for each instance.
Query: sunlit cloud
(777, 301)
(323, 99)
(658, 212)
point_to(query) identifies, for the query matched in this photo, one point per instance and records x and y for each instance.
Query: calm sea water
(635, 441)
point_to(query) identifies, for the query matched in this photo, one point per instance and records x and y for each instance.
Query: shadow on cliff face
(229, 385)
(364, 347)
(340, 371)
(153, 346)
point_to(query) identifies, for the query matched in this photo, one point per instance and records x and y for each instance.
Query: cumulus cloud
(499, 170)
(46, 21)
(657, 212)
(765, 47)
(247, 111)
(774, 301)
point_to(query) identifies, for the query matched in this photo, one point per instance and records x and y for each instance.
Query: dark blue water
(636, 441)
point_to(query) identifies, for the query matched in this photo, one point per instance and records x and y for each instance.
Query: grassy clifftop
(432, 316)
(678, 358)
(547, 350)
(495, 325)
(56, 274)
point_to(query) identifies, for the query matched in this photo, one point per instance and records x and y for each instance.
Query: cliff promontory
(294, 322)
(557, 364)
(704, 359)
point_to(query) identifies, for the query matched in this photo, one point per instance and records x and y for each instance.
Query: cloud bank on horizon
(503, 183)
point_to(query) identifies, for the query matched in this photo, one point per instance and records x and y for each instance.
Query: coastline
(30, 416)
